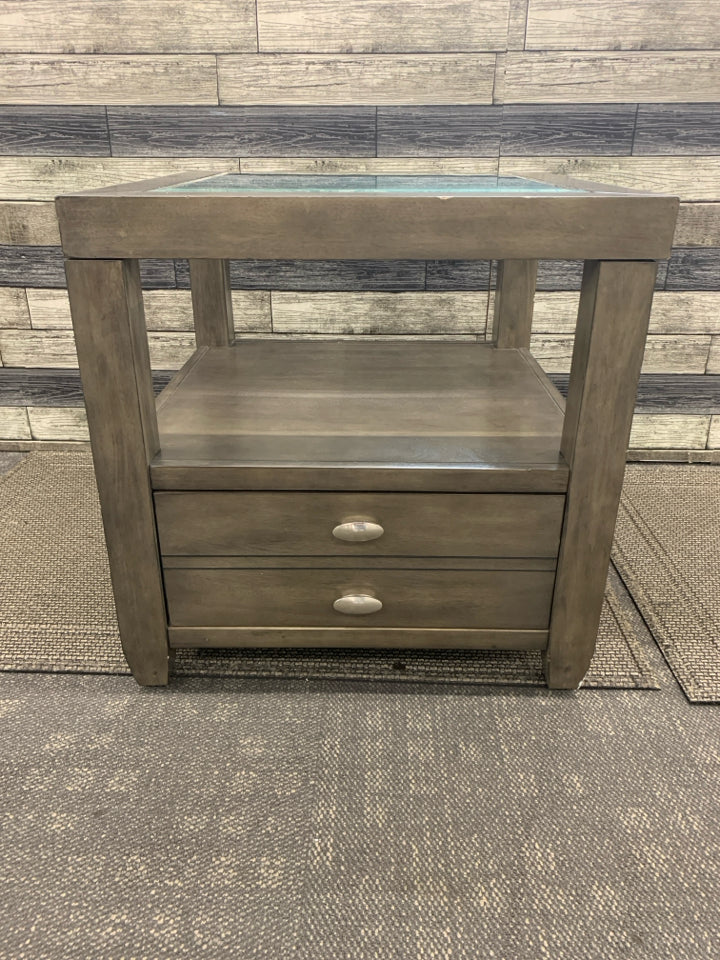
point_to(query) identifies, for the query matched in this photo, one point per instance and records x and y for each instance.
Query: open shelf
(376, 414)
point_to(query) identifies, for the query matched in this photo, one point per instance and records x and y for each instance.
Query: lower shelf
(389, 638)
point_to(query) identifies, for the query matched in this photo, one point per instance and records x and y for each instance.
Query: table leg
(609, 344)
(108, 318)
(212, 303)
(514, 300)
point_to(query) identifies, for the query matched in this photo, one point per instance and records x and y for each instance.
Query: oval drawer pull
(358, 530)
(357, 604)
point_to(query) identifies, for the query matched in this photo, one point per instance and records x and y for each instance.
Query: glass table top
(445, 185)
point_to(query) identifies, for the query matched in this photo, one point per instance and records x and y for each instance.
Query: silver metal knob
(357, 604)
(358, 530)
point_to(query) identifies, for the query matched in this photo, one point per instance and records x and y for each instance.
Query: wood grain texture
(14, 424)
(679, 354)
(714, 434)
(612, 323)
(713, 364)
(679, 77)
(58, 423)
(517, 22)
(376, 165)
(457, 274)
(655, 431)
(672, 313)
(56, 348)
(50, 131)
(698, 225)
(446, 131)
(547, 129)
(14, 310)
(395, 638)
(567, 275)
(127, 26)
(513, 304)
(498, 599)
(51, 388)
(110, 332)
(375, 26)
(31, 266)
(32, 224)
(677, 128)
(211, 303)
(623, 25)
(242, 131)
(415, 525)
(378, 313)
(656, 174)
(390, 78)
(32, 79)
(694, 268)
(37, 178)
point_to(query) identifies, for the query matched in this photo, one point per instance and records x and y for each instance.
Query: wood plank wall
(100, 91)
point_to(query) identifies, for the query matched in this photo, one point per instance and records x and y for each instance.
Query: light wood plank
(612, 322)
(127, 26)
(713, 364)
(375, 26)
(14, 424)
(389, 78)
(714, 435)
(56, 348)
(99, 79)
(698, 224)
(378, 313)
(58, 423)
(657, 431)
(673, 313)
(680, 354)
(622, 25)
(517, 20)
(28, 224)
(14, 312)
(43, 178)
(513, 303)
(654, 174)
(681, 77)
(211, 303)
(110, 331)
(372, 165)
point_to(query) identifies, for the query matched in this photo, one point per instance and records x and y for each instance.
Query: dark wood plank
(24, 266)
(449, 131)
(669, 393)
(694, 268)
(212, 303)
(106, 305)
(22, 386)
(558, 275)
(312, 131)
(669, 129)
(457, 275)
(52, 131)
(514, 298)
(387, 275)
(609, 343)
(541, 130)
(394, 638)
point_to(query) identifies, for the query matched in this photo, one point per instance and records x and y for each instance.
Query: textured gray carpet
(58, 614)
(333, 821)
(667, 549)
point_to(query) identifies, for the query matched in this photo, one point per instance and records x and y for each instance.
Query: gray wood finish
(609, 342)
(29, 223)
(257, 562)
(212, 303)
(556, 275)
(242, 131)
(52, 388)
(30, 266)
(514, 297)
(436, 525)
(457, 275)
(467, 131)
(395, 638)
(49, 131)
(677, 128)
(567, 129)
(491, 599)
(694, 268)
(388, 275)
(107, 311)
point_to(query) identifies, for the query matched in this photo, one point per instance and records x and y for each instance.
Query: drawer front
(486, 599)
(404, 524)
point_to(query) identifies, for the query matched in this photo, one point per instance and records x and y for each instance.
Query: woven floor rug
(57, 614)
(667, 549)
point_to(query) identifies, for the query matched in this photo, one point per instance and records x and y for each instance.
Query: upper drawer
(412, 524)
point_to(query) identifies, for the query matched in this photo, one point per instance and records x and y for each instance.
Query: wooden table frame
(619, 233)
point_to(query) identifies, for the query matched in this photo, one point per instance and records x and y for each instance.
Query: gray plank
(390, 275)
(677, 128)
(567, 275)
(49, 131)
(458, 274)
(575, 129)
(20, 387)
(242, 131)
(464, 131)
(668, 392)
(43, 267)
(694, 268)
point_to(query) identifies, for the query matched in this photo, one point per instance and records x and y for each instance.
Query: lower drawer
(487, 599)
